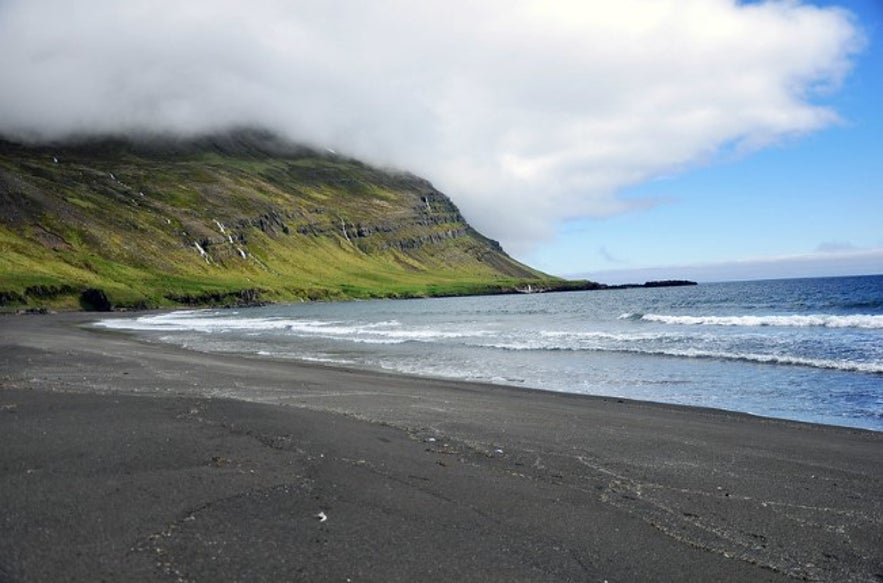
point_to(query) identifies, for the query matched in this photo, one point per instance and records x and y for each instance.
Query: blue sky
(803, 199)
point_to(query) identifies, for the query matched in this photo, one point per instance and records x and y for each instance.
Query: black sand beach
(124, 461)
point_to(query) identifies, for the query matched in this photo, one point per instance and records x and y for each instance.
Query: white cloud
(526, 112)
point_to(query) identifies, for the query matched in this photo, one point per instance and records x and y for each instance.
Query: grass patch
(133, 236)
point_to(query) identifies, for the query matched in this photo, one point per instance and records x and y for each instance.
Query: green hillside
(237, 218)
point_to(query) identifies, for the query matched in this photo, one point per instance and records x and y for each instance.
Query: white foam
(866, 367)
(305, 357)
(614, 336)
(386, 332)
(806, 321)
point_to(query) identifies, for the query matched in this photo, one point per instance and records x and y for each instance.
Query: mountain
(240, 217)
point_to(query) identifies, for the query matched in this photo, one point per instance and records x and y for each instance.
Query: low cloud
(528, 113)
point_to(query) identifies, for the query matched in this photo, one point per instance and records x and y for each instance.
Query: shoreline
(138, 336)
(419, 478)
(546, 286)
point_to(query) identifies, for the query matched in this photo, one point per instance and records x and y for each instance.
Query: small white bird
(322, 517)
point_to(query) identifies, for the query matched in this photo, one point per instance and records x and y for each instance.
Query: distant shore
(124, 460)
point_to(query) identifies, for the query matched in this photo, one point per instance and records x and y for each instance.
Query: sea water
(802, 349)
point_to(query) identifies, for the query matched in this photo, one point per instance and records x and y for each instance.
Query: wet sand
(123, 460)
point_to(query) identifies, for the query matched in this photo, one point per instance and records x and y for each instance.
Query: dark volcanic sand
(119, 461)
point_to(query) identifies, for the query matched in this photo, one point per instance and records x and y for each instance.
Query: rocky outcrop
(244, 297)
(95, 300)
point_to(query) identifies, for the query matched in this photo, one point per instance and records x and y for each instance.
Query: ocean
(800, 349)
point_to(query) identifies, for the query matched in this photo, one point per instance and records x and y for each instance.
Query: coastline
(419, 478)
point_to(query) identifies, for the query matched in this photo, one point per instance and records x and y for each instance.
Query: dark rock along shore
(123, 461)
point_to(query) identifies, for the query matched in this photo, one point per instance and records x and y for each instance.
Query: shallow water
(808, 349)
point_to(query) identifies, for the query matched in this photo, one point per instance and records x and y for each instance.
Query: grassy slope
(128, 220)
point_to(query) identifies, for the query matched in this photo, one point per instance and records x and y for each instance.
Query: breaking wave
(865, 321)
(820, 363)
(206, 321)
(698, 353)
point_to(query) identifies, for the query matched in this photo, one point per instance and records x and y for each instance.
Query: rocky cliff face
(240, 215)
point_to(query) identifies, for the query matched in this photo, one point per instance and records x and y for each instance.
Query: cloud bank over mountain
(527, 113)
